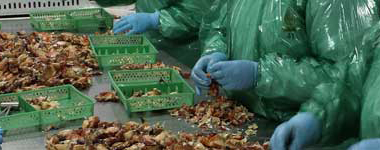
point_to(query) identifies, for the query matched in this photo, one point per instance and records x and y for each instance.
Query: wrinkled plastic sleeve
(213, 29)
(183, 18)
(336, 30)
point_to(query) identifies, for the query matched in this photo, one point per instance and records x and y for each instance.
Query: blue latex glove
(198, 74)
(137, 23)
(300, 131)
(370, 144)
(1, 137)
(235, 75)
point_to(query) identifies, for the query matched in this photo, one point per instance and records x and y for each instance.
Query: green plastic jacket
(311, 54)
(370, 117)
(179, 26)
(179, 19)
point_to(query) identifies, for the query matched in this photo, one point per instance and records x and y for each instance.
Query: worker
(370, 116)
(173, 25)
(301, 62)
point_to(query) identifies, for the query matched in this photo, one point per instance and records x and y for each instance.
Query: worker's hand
(137, 23)
(198, 74)
(366, 145)
(300, 131)
(235, 75)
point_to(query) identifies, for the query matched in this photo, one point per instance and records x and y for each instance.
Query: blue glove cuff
(155, 18)
(219, 55)
(366, 144)
(1, 137)
(258, 75)
(313, 123)
(255, 74)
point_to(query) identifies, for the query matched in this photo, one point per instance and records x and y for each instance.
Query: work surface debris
(107, 97)
(39, 59)
(216, 114)
(98, 135)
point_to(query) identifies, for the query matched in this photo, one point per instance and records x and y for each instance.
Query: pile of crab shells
(98, 135)
(109, 96)
(216, 114)
(39, 59)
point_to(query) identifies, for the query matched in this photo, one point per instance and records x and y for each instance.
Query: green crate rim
(110, 75)
(64, 10)
(87, 98)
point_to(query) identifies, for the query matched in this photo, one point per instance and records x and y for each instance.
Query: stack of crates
(113, 51)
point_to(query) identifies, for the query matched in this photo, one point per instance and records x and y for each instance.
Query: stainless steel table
(33, 138)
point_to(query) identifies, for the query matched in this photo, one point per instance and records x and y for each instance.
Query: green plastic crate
(113, 51)
(78, 20)
(20, 119)
(125, 82)
(72, 104)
